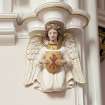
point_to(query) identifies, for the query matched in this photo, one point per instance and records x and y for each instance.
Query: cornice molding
(8, 16)
(78, 18)
(7, 29)
(55, 11)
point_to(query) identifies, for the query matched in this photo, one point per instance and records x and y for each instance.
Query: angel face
(52, 34)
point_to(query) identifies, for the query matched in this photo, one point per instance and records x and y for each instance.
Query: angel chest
(53, 58)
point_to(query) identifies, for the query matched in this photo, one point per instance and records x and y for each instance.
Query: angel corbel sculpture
(53, 60)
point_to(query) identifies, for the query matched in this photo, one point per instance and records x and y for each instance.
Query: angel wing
(32, 52)
(72, 53)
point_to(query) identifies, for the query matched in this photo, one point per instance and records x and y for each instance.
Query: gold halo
(57, 25)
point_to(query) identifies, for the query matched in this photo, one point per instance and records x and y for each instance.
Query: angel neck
(53, 45)
(53, 42)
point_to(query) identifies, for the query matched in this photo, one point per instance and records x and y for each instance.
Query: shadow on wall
(103, 81)
(102, 55)
(57, 94)
(102, 42)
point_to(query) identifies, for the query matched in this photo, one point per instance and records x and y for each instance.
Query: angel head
(54, 31)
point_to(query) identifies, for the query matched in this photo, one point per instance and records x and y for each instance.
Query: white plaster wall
(6, 6)
(12, 70)
(12, 90)
(1, 6)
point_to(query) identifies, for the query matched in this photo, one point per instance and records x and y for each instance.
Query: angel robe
(69, 74)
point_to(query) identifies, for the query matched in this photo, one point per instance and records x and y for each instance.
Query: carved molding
(7, 29)
(54, 5)
(55, 11)
(8, 16)
(49, 11)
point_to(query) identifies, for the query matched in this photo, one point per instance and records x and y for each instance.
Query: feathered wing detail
(32, 53)
(74, 60)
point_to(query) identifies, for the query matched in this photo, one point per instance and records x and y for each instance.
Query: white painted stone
(55, 14)
(35, 25)
(7, 29)
(73, 3)
(1, 6)
(92, 58)
(77, 21)
(54, 0)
